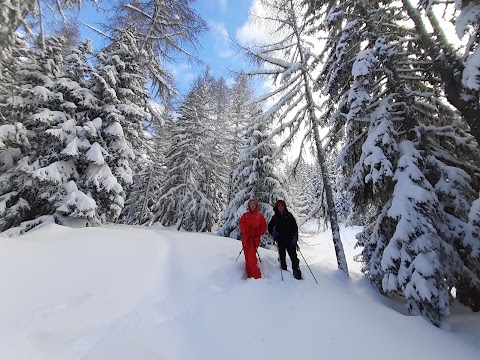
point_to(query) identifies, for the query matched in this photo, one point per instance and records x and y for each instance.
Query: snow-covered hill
(121, 292)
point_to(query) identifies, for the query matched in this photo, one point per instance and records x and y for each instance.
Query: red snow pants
(253, 226)
(250, 251)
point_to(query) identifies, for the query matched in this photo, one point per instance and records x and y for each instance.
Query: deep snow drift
(121, 292)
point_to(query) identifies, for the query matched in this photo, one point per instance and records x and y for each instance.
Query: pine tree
(96, 140)
(466, 293)
(13, 135)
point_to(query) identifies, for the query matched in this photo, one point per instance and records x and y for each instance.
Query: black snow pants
(292, 252)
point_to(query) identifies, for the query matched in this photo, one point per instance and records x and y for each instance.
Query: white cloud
(253, 32)
(248, 35)
(188, 77)
(182, 72)
(222, 40)
(179, 69)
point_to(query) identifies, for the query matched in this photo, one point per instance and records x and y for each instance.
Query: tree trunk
(147, 192)
(332, 211)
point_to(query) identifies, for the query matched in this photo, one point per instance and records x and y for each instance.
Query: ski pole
(246, 242)
(307, 265)
(242, 249)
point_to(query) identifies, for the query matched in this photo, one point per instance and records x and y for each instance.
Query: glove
(275, 234)
(298, 247)
(253, 231)
(294, 240)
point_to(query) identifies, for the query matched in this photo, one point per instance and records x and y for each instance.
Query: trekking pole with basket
(298, 248)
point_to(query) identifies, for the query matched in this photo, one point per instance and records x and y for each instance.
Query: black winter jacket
(285, 224)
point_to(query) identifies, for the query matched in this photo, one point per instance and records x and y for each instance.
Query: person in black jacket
(283, 228)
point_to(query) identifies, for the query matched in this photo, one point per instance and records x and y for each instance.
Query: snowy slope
(123, 292)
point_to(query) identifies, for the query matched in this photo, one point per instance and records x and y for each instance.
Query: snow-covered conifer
(37, 185)
(119, 80)
(140, 206)
(255, 176)
(406, 153)
(290, 60)
(240, 112)
(194, 162)
(301, 191)
(17, 15)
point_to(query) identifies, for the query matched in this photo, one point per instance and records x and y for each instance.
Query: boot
(297, 274)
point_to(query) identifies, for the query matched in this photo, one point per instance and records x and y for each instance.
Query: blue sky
(225, 18)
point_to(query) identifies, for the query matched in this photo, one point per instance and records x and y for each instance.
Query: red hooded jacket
(252, 225)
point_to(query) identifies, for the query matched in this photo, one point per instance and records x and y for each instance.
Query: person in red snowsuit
(253, 226)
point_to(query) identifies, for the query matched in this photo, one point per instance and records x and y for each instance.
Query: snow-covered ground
(121, 292)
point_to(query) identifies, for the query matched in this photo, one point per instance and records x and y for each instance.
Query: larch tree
(162, 29)
(290, 60)
(17, 15)
(240, 112)
(216, 177)
(248, 176)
